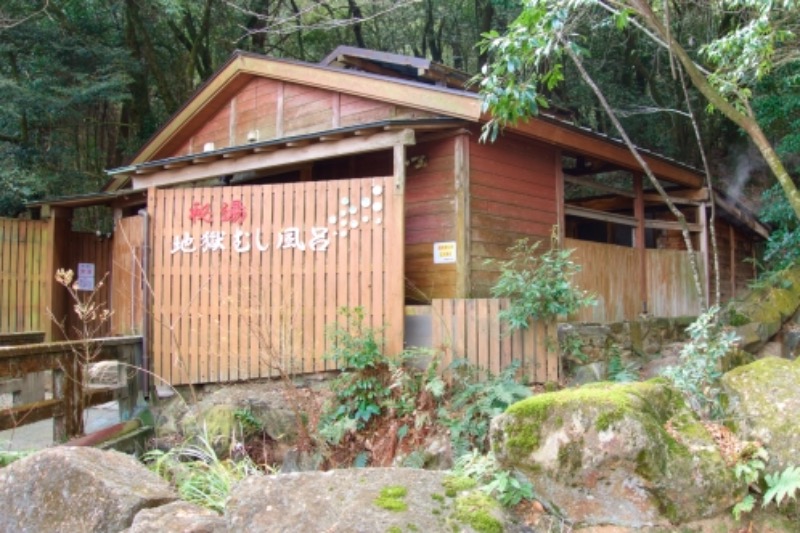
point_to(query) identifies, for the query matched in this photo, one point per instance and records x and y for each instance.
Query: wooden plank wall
(88, 248)
(612, 273)
(24, 284)
(471, 329)
(670, 283)
(430, 218)
(226, 315)
(127, 270)
(276, 109)
(512, 196)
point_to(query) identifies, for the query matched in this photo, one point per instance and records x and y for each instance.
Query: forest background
(84, 83)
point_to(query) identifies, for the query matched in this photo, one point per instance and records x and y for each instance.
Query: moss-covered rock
(763, 401)
(761, 313)
(630, 455)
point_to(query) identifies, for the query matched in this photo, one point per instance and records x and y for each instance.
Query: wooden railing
(69, 388)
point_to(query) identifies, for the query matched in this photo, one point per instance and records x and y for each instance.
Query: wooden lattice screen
(24, 282)
(246, 279)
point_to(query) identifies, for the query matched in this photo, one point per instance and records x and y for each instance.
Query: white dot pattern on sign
(353, 210)
(377, 206)
(378, 220)
(366, 201)
(365, 219)
(345, 201)
(354, 224)
(332, 219)
(377, 190)
(343, 233)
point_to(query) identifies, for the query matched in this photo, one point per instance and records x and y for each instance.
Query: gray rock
(601, 455)
(70, 489)
(764, 404)
(590, 373)
(177, 517)
(349, 501)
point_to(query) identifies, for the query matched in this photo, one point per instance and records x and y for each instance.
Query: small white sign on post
(85, 276)
(444, 252)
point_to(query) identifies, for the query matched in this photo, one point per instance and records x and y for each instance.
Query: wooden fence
(471, 329)
(249, 277)
(68, 384)
(127, 288)
(613, 273)
(24, 282)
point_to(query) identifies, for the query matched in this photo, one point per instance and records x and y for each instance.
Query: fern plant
(475, 402)
(782, 485)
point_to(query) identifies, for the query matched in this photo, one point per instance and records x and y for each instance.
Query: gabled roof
(402, 81)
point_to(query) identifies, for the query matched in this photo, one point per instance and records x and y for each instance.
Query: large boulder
(629, 455)
(73, 489)
(361, 500)
(763, 311)
(763, 403)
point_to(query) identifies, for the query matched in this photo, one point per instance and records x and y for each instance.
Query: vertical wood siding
(471, 329)
(612, 273)
(277, 109)
(24, 284)
(127, 271)
(88, 248)
(225, 315)
(512, 196)
(430, 218)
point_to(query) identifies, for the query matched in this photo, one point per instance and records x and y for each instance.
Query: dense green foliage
(84, 84)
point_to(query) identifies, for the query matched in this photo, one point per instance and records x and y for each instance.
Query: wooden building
(283, 190)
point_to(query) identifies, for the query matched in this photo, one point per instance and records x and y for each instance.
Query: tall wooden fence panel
(670, 283)
(246, 279)
(613, 274)
(127, 276)
(24, 284)
(471, 329)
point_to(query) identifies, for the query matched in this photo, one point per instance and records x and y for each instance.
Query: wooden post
(58, 229)
(702, 219)
(395, 306)
(463, 254)
(60, 420)
(560, 218)
(639, 240)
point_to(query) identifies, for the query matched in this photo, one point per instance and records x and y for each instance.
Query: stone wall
(640, 344)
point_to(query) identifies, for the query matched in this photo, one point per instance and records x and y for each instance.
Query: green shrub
(363, 384)
(699, 371)
(538, 285)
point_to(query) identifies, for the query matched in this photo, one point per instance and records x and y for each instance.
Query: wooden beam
(287, 156)
(584, 142)
(600, 215)
(626, 220)
(576, 180)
